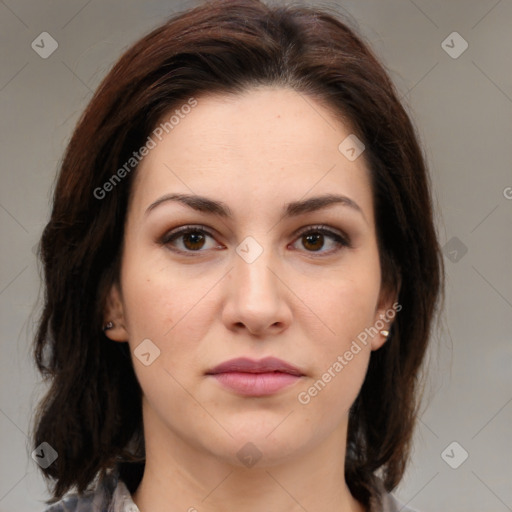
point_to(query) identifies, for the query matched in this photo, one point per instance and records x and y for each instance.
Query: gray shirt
(112, 495)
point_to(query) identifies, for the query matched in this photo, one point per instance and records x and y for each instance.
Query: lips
(246, 365)
(247, 377)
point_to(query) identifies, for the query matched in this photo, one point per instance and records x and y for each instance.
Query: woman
(241, 271)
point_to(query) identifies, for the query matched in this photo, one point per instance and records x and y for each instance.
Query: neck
(182, 477)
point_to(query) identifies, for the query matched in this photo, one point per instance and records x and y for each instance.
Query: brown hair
(91, 414)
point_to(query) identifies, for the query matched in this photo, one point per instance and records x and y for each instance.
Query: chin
(261, 452)
(264, 441)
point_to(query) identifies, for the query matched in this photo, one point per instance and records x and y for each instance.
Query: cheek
(341, 358)
(166, 306)
(353, 309)
(153, 296)
(149, 306)
(346, 305)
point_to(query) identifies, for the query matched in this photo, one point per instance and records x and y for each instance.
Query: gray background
(463, 110)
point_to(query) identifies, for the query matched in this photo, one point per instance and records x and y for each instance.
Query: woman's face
(255, 277)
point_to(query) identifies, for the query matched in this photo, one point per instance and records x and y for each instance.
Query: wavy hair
(91, 414)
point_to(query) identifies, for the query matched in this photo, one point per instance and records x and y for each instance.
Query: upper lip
(246, 365)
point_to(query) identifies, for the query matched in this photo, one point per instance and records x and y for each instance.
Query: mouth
(255, 378)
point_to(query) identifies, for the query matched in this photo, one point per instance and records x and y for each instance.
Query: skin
(301, 301)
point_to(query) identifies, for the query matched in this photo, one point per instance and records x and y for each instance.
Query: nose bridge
(256, 294)
(252, 270)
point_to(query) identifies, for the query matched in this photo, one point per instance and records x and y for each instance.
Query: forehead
(262, 147)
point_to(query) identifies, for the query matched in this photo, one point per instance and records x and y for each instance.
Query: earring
(108, 326)
(384, 333)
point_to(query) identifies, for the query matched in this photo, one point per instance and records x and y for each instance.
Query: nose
(257, 297)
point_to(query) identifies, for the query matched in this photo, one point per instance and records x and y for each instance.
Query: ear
(114, 313)
(385, 313)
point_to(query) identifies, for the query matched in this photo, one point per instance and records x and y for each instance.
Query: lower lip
(256, 384)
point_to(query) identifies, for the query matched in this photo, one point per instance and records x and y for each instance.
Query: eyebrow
(293, 209)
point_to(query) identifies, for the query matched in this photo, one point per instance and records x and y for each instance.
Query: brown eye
(190, 239)
(193, 239)
(314, 240)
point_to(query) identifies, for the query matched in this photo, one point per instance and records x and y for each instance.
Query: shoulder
(75, 503)
(392, 504)
(388, 502)
(97, 500)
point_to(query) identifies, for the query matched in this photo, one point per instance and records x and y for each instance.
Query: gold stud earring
(384, 333)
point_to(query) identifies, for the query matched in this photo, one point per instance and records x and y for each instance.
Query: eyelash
(340, 240)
